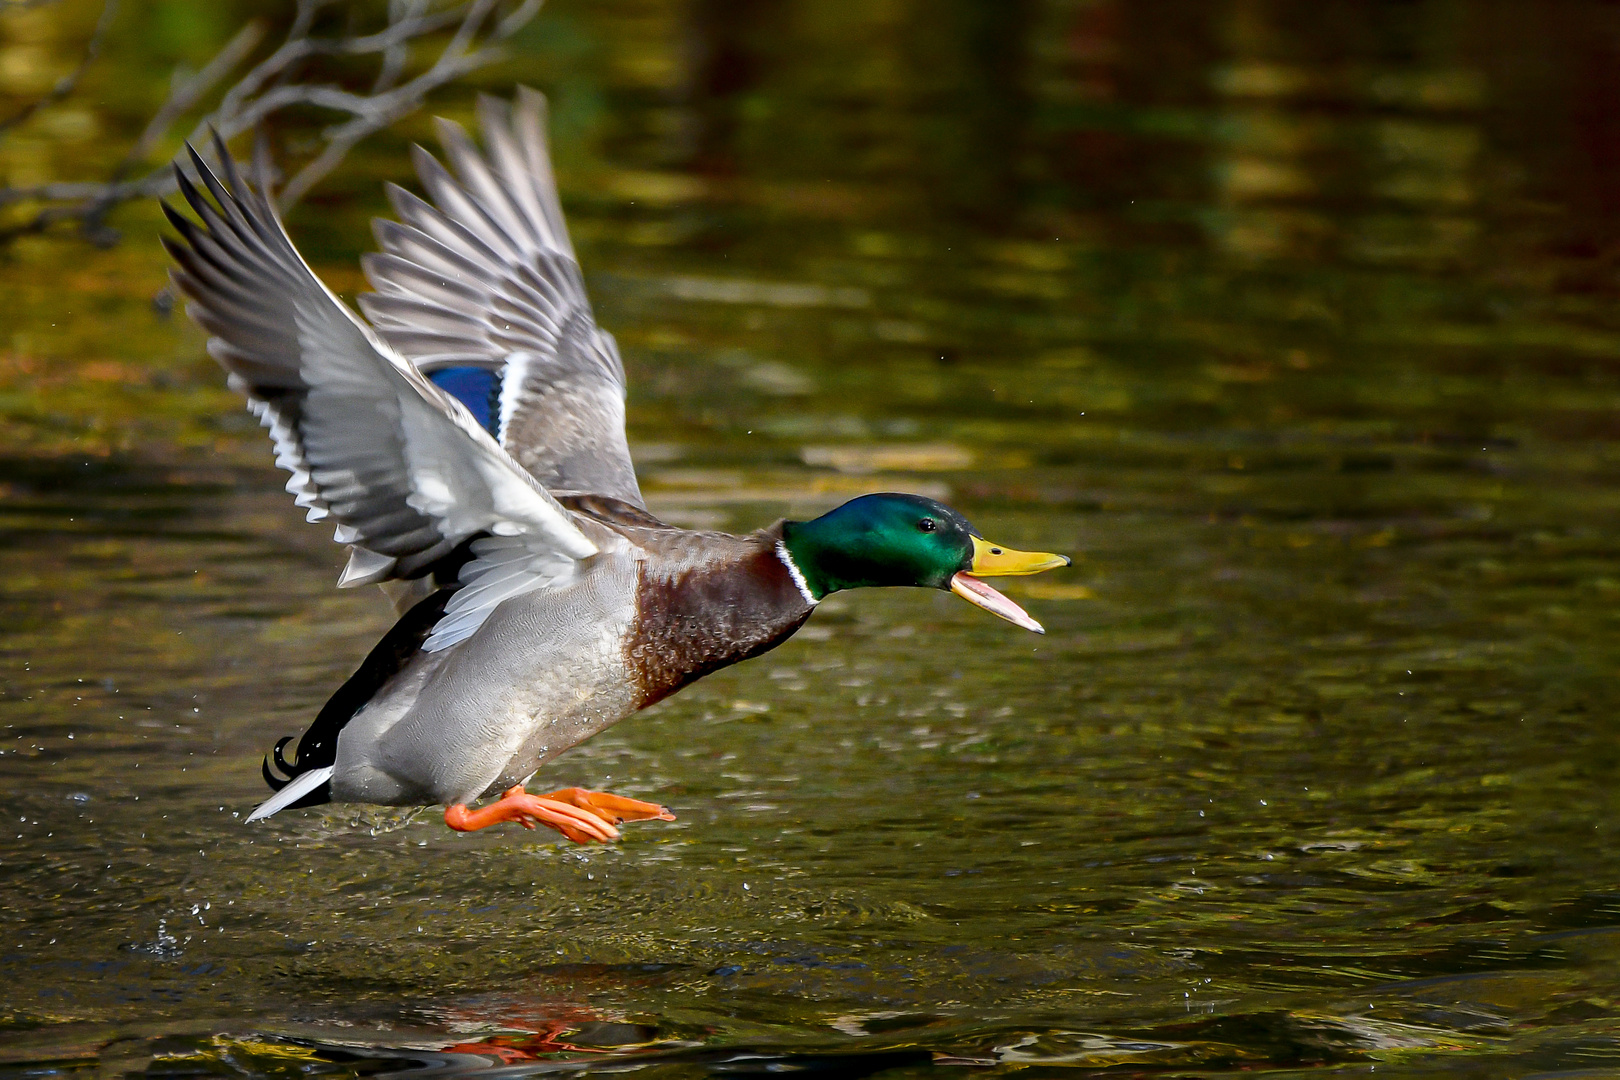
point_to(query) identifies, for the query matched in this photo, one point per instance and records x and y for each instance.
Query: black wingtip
(188, 190)
(182, 224)
(227, 164)
(226, 197)
(197, 161)
(177, 251)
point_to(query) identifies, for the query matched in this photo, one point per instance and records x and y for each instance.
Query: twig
(395, 54)
(281, 81)
(185, 96)
(69, 82)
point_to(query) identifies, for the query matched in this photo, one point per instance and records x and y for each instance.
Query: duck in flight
(466, 439)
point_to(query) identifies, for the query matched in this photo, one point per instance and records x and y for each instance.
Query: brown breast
(707, 600)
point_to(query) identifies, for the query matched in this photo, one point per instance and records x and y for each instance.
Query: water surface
(1295, 323)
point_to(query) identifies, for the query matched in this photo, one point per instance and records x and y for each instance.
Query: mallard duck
(466, 438)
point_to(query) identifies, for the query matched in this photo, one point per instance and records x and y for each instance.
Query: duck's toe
(611, 808)
(517, 805)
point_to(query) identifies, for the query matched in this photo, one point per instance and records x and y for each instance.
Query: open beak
(993, 560)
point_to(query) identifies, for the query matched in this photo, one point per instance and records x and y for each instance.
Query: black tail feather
(281, 763)
(277, 783)
(317, 747)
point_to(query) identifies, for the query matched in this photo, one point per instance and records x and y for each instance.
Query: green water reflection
(1297, 322)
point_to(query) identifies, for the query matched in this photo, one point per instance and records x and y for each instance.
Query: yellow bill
(993, 560)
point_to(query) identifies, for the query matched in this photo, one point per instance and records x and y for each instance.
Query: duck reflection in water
(559, 1030)
(467, 440)
(543, 1034)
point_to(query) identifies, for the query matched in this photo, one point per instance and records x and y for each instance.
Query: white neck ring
(796, 573)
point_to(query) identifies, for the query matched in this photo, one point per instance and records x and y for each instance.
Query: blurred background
(1296, 322)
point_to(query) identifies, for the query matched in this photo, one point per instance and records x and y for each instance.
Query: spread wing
(483, 282)
(401, 467)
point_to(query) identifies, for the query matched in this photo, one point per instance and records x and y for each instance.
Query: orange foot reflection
(514, 1049)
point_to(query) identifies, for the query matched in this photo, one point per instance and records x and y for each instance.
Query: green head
(893, 539)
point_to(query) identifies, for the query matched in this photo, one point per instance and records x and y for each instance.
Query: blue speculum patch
(477, 388)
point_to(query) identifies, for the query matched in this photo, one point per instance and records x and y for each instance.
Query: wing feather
(485, 276)
(403, 470)
(502, 567)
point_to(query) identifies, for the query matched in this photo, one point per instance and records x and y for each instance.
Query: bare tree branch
(186, 95)
(69, 82)
(395, 54)
(282, 80)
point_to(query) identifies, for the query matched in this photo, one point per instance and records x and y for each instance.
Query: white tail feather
(296, 789)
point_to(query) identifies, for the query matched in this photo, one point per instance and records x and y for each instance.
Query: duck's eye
(927, 524)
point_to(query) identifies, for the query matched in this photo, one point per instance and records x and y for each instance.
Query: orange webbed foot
(580, 815)
(531, 810)
(611, 808)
